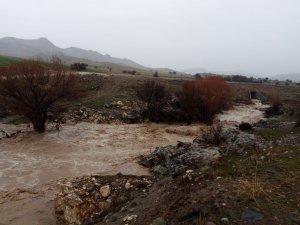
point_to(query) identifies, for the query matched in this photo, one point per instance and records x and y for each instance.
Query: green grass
(96, 103)
(5, 60)
(275, 133)
(273, 182)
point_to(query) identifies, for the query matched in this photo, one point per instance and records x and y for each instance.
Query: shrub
(31, 87)
(154, 95)
(212, 135)
(276, 107)
(297, 115)
(155, 74)
(132, 72)
(203, 98)
(78, 66)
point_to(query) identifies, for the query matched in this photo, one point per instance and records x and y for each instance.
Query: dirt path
(33, 163)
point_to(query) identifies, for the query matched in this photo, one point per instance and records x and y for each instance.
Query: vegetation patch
(6, 60)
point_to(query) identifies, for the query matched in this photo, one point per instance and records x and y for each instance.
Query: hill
(25, 48)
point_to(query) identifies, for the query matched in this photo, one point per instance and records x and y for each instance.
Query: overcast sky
(253, 36)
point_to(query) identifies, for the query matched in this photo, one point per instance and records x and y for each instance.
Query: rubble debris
(236, 141)
(88, 199)
(170, 160)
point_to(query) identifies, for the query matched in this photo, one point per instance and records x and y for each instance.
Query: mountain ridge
(24, 48)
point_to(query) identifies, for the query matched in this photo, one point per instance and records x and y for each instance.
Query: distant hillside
(96, 66)
(291, 76)
(24, 48)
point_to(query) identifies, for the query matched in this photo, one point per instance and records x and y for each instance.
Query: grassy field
(5, 60)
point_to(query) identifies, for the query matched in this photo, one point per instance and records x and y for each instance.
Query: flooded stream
(34, 159)
(31, 164)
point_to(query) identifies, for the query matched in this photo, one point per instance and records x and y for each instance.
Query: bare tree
(31, 87)
(154, 95)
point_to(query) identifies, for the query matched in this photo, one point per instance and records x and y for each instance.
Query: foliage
(78, 66)
(154, 95)
(132, 72)
(6, 60)
(212, 135)
(297, 116)
(275, 108)
(202, 99)
(155, 74)
(31, 88)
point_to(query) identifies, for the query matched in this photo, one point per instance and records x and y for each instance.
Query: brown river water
(34, 159)
(31, 164)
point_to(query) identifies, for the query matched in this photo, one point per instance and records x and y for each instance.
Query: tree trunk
(39, 121)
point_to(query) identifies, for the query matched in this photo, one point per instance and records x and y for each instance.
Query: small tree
(276, 107)
(78, 66)
(203, 98)
(153, 94)
(31, 87)
(155, 74)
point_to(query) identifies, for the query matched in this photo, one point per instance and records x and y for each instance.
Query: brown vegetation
(31, 87)
(202, 99)
(78, 66)
(154, 95)
(276, 107)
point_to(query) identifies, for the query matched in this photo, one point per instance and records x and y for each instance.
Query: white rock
(105, 191)
(127, 186)
(129, 218)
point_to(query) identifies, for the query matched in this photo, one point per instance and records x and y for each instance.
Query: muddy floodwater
(34, 159)
(31, 164)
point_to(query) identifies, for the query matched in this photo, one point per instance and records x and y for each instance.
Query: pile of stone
(87, 200)
(114, 112)
(3, 134)
(86, 115)
(235, 140)
(172, 160)
(118, 105)
(6, 134)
